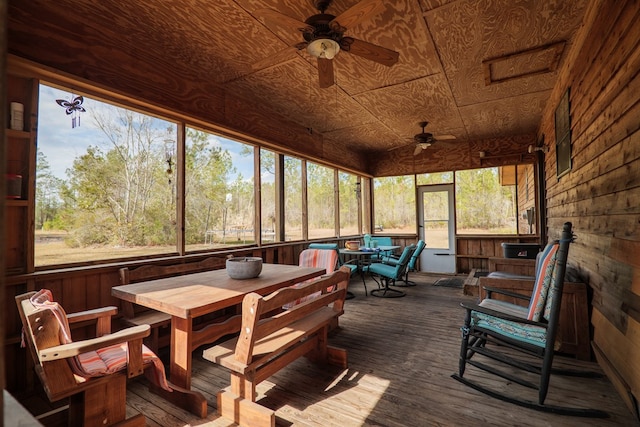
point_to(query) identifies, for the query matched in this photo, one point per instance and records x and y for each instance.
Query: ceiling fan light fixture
(323, 48)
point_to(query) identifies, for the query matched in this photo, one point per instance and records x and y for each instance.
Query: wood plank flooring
(401, 355)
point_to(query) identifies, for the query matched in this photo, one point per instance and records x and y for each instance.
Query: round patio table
(363, 256)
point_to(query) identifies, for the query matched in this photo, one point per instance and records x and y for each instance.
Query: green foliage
(118, 189)
(320, 190)
(47, 193)
(395, 202)
(482, 202)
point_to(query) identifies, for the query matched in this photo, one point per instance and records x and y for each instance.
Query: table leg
(180, 370)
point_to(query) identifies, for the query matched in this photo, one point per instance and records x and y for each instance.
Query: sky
(61, 143)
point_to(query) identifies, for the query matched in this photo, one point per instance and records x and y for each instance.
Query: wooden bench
(271, 338)
(135, 315)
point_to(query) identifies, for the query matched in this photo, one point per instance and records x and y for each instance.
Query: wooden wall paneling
(3, 170)
(612, 55)
(612, 351)
(599, 195)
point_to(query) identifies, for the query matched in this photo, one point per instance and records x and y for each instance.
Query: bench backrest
(152, 272)
(256, 323)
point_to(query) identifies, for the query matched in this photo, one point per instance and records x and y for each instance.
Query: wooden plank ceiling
(481, 70)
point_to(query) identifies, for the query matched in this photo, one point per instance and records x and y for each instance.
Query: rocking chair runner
(522, 331)
(91, 373)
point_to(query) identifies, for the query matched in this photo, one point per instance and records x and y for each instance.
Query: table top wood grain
(197, 294)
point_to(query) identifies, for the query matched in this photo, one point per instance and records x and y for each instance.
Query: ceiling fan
(323, 37)
(424, 140)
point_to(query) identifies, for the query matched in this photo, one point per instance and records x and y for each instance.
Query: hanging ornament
(73, 108)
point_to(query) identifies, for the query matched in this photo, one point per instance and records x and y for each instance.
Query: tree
(47, 193)
(481, 201)
(118, 191)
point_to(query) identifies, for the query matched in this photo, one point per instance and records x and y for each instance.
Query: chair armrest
(501, 291)
(501, 315)
(387, 258)
(102, 315)
(97, 313)
(65, 351)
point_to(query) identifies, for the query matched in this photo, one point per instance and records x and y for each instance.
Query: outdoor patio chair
(319, 258)
(92, 373)
(411, 266)
(351, 264)
(381, 241)
(522, 338)
(385, 274)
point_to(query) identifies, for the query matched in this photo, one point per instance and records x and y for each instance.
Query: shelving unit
(20, 160)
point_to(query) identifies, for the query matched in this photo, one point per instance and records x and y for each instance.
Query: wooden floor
(401, 355)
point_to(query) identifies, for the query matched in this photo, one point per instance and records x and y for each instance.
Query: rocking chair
(522, 337)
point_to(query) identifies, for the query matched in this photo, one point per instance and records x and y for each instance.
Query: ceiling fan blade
(359, 12)
(444, 137)
(417, 150)
(325, 72)
(280, 19)
(277, 58)
(401, 146)
(373, 52)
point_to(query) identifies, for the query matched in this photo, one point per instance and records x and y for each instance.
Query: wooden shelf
(11, 133)
(14, 202)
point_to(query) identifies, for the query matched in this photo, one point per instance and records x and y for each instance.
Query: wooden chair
(92, 373)
(521, 337)
(135, 315)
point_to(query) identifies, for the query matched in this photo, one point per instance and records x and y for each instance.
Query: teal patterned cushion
(532, 334)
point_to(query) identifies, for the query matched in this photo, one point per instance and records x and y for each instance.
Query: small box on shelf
(520, 250)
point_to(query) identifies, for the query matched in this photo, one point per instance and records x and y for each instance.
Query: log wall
(601, 193)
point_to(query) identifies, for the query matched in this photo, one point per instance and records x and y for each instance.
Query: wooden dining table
(191, 296)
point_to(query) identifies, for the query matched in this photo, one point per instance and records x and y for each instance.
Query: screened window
(394, 200)
(268, 196)
(349, 194)
(485, 202)
(320, 201)
(219, 205)
(105, 182)
(293, 198)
